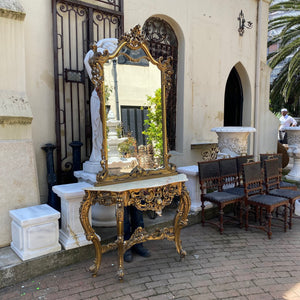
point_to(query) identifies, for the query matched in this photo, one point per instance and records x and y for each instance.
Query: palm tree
(284, 31)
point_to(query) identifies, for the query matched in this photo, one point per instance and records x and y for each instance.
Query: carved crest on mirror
(140, 79)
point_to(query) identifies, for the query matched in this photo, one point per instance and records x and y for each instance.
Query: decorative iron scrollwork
(243, 24)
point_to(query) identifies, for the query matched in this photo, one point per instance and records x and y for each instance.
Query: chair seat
(285, 193)
(221, 197)
(267, 200)
(239, 190)
(284, 184)
(236, 191)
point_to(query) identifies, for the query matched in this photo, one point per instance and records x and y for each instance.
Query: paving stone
(226, 294)
(208, 296)
(263, 296)
(144, 294)
(91, 293)
(132, 289)
(162, 297)
(155, 284)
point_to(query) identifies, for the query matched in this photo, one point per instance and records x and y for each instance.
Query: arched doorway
(163, 42)
(233, 102)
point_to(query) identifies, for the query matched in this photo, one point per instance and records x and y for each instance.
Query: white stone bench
(34, 231)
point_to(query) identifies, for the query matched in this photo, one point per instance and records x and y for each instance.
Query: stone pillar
(18, 175)
(71, 234)
(293, 135)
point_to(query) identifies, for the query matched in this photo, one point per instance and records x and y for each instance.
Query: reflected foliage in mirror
(134, 86)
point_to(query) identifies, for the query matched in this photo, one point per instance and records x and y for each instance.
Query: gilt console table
(150, 194)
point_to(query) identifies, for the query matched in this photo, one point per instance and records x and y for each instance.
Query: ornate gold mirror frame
(134, 40)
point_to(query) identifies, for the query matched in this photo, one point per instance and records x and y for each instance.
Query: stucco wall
(18, 177)
(209, 46)
(40, 81)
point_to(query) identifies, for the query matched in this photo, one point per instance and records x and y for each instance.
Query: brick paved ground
(237, 265)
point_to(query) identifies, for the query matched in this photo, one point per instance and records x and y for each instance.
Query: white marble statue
(109, 44)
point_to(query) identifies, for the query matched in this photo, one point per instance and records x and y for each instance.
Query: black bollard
(76, 145)
(53, 200)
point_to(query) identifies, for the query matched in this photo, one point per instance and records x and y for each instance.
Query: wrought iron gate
(163, 42)
(77, 25)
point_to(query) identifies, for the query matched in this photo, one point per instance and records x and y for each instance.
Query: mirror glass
(137, 141)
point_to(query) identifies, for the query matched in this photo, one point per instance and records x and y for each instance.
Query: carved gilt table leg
(120, 235)
(89, 231)
(181, 218)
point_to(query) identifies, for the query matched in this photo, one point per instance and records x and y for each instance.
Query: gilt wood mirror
(140, 78)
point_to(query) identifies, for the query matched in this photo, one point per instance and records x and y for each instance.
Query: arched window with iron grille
(163, 42)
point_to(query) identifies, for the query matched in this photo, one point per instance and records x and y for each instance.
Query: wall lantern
(242, 24)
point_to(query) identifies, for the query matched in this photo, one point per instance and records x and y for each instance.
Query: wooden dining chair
(211, 190)
(282, 184)
(255, 198)
(272, 181)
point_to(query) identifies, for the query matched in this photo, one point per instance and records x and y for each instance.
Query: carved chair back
(209, 176)
(252, 178)
(242, 160)
(277, 156)
(229, 172)
(271, 174)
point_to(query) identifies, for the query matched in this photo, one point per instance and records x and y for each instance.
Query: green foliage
(119, 130)
(285, 89)
(107, 92)
(128, 148)
(154, 123)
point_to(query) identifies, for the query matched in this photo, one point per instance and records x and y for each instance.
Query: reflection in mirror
(138, 140)
(132, 57)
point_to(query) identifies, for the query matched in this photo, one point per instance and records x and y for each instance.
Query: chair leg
(256, 213)
(291, 214)
(269, 216)
(246, 216)
(241, 216)
(260, 215)
(221, 212)
(202, 212)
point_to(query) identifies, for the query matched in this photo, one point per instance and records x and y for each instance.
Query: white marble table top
(140, 184)
(233, 129)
